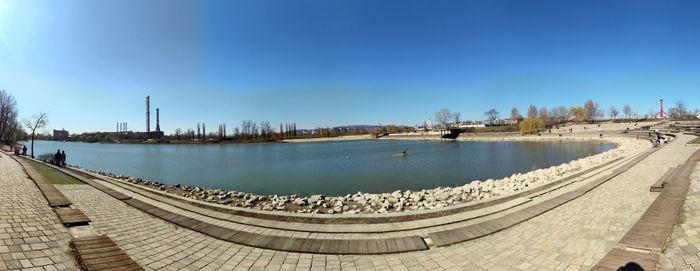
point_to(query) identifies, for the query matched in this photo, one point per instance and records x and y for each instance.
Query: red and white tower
(662, 113)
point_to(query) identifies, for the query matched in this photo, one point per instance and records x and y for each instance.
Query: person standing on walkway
(57, 158)
(24, 150)
(63, 157)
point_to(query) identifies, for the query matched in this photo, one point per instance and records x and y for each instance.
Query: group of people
(656, 138)
(17, 150)
(59, 158)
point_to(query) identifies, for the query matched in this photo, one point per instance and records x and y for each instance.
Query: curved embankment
(363, 233)
(402, 201)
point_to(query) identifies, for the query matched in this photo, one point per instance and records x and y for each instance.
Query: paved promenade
(574, 236)
(683, 251)
(31, 236)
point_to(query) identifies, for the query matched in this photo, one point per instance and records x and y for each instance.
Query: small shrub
(47, 158)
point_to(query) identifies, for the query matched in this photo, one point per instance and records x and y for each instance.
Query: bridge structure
(453, 133)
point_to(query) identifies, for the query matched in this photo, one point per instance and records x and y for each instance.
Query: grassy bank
(52, 175)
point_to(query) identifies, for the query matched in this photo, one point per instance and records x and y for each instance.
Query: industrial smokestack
(157, 119)
(148, 114)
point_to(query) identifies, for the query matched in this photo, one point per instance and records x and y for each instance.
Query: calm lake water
(331, 168)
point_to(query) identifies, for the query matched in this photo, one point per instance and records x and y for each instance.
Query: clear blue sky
(324, 63)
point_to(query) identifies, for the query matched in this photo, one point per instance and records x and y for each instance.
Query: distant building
(471, 124)
(60, 135)
(510, 121)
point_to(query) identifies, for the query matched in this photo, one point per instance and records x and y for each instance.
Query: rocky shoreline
(397, 201)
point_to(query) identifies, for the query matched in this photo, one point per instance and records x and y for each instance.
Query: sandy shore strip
(326, 139)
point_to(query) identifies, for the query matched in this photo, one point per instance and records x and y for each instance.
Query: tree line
(542, 117)
(11, 130)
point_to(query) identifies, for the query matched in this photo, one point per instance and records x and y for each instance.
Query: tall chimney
(157, 119)
(148, 114)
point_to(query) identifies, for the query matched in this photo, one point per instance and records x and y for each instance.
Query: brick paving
(683, 250)
(31, 236)
(574, 236)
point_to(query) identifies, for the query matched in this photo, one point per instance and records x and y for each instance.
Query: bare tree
(532, 111)
(443, 117)
(457, 116)
(563, 112)
(514, 114)
(612, 112)
(590, 110)
(246, 126)
(558, 113)
(682, 109)
(599, 114)
(627, 110)
(36, 122)
(491, 115)
(544, 115)
(178, 133)
(8, 115)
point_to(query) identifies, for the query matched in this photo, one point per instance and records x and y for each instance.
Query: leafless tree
(599, 114)
(36, 122)
(265, 130)
(457, 116)
(443, 117)
(627, 110)
(532, 111)
(178, 133)
(682, 109)
(491, 115)
(8, 114)
(612, 112)
(558, 113)
(544, 115)
(589, 110)
(514, 114)
(246, 129)
(563, 112)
